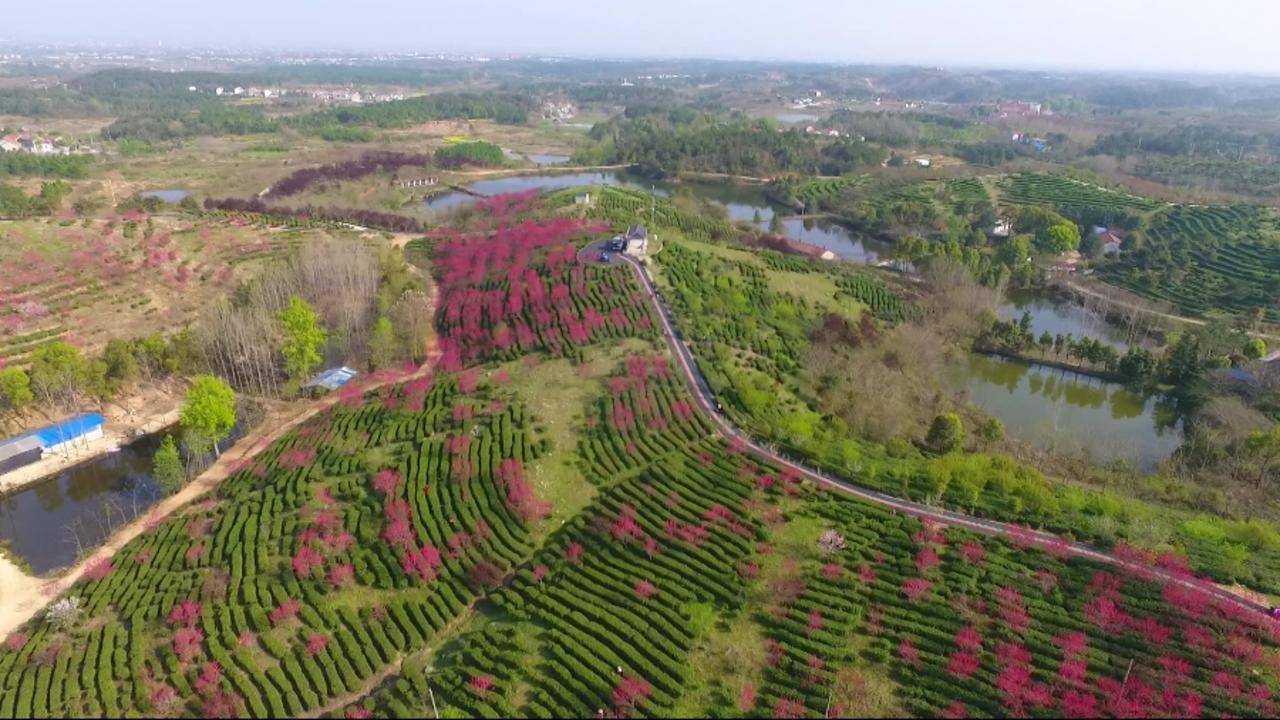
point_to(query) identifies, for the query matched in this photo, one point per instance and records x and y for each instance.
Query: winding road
(593, 253)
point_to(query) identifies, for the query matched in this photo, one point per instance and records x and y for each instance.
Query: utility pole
(436, 710)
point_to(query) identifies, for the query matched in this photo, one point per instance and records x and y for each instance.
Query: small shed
(331, 379)
(79, 429)
(19, 452)
(636, 240)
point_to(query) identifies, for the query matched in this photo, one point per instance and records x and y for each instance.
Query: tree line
(661, 145)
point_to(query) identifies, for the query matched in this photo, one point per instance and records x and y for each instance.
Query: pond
(1060, 317)
(50, 524)
(844, 242)
(542, 181)
(169, 196)
(1068, 412)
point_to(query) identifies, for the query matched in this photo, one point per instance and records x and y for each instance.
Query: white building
(636, 241)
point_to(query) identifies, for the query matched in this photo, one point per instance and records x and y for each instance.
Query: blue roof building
(332, 379)
(83, 427)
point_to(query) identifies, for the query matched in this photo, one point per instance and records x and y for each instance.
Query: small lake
(544, 182)
(169, 196)
(1068, 412)
(1060, 317)
(41, 522)
(795, 117)
(845, 243)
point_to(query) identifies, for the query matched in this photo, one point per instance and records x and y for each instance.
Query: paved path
(702, 394)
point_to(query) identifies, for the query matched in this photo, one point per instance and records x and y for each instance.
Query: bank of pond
(741, 203)
(50, 524)
(1068, 412)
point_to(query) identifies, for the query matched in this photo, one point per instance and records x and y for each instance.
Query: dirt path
(355, 696)
(23, 596)
(1084, 289)
(444, 635)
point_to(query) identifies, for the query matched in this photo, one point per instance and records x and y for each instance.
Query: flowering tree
(831, 543)
(185, 613)
(915, 588)
(630, 692)
(645, 589)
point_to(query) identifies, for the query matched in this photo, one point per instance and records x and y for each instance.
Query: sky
(1149, 35)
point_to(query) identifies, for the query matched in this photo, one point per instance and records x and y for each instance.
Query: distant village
(34, 143)
(332, 96)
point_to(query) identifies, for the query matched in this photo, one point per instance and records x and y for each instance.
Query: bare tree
(411, 316)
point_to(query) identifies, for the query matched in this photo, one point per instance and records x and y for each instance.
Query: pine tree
(167, 468)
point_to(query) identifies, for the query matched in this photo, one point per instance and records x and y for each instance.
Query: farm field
(1203, 260)
(423, 531)
(89, 281)
(1207, 259)
(1065, 192)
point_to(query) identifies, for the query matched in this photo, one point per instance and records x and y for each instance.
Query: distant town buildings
(811, 130)
(1018, 108)
(27, 142)
(558, 111)
(896, 103)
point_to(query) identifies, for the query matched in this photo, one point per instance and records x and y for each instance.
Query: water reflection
(1060, 318)
(169, 196)
(844, 242)
(51, 523)
(1070, 412)
(544, 182)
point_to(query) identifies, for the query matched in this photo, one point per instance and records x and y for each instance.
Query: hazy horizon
(1099, 35)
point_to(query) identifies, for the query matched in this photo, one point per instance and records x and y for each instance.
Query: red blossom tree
(573, 553)
(16, 641)
(630, 692)
(481, 684)
(915, 588)
(962, 664)
(316, 643)
(186, 643)
(908, 653)
(287, 610)
(968, 639)
(98, 569)
(341, 575)
(815, 621)
(185, 613)
(386, 481)
(645, 590)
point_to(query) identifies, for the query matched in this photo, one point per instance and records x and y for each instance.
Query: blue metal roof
(68, 429)
(332, 379)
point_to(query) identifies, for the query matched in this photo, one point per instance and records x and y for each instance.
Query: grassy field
(816, 288)
(557, 475)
